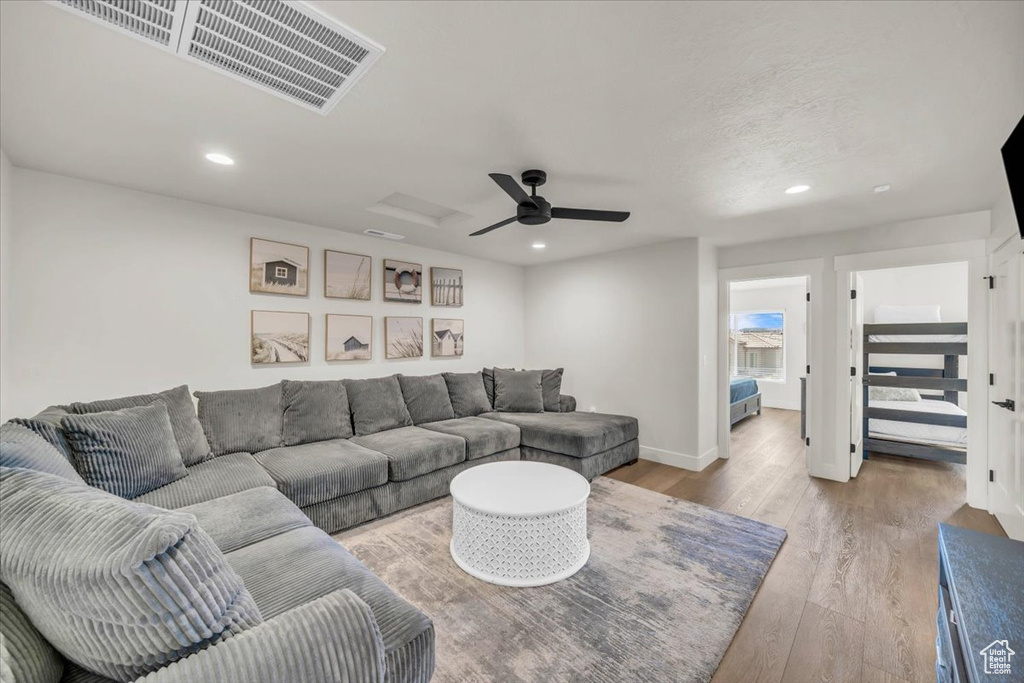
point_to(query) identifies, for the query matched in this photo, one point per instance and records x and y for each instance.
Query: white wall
(6, 279)
(707, 274)
(944, 284)
(625, 327)
(123, 291)
(790, 298)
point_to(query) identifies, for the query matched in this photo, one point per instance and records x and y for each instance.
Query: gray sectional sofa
(265, 476)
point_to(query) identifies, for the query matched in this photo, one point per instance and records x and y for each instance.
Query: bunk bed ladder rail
(946, 380)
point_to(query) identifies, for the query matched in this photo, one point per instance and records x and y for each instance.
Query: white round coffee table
(520, 523)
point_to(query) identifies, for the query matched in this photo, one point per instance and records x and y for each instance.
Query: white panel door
(1006, 417)
(856, 374)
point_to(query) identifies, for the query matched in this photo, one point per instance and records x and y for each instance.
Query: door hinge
(808, 296)
(853, 371)
(807, 441)
(808, 369)
(991, 475)
(853, 448)
(991, 281)
(991, 379)
(853, 293)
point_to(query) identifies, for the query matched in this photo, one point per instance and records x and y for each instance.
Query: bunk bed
(744, 398)
(934, 427)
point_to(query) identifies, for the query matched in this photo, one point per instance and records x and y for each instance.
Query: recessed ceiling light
(797, 189)
(882, 188)
(222, 159)
(539, 245)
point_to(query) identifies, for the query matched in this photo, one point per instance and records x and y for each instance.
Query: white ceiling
(694, 116)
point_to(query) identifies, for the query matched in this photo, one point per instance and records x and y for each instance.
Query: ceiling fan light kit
(532, 209)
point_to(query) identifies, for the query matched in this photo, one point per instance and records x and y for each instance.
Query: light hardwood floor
(851, 597)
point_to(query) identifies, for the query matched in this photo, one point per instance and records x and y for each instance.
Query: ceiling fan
(534, 210)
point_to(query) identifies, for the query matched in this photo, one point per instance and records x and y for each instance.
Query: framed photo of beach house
(349, 337)
(446, 337)
(346, 276)
(278, 268)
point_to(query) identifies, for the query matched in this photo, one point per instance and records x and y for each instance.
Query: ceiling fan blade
(512, 188)
(494, 227)
(589, 214)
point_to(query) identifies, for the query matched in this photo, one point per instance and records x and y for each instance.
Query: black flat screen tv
(1013, 160)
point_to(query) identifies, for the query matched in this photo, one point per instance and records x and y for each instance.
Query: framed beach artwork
(403, 337)
(278, 267)
(349, 337)
(346, 276)
(446, 286)
(403, 281)
(446, 337)
(279, 337)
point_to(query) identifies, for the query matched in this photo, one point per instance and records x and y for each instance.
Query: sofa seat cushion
(247, 517)
(413, 451)
(222, 476)
(296, 567)
(483, 437)
(315, 472)
(577, 434)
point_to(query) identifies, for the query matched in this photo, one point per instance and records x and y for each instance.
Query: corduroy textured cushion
(25, 656)
(125, 452)
(377, 405)
(518, 392)
(467, 393)
(215, 478)
(120, 588)
(22, 447)
(188, 433)
(242, 420)
(551, 389)
(47, 425)
(426, 398)
(315, 411)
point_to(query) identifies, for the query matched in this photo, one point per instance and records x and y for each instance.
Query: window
(280, 271)
(756, 345)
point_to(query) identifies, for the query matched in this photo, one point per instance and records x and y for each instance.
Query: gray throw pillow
(426, 398)
(125, 452)
(518, 392)
(119, 588)
(467, 393)
(22, 447)
(377, 405)
(25, 656)
(315, 411)
(551, 388)
(188, 432)
(47, 425)
(242, 420)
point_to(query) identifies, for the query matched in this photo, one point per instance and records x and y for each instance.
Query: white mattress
(918, 433)
(919, 338)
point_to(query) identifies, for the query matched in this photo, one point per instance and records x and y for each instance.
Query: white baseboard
(693, 463)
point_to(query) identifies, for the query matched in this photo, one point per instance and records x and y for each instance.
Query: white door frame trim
(814, 269)
(974, 252)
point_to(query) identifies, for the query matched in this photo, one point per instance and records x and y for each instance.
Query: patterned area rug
(667, 585)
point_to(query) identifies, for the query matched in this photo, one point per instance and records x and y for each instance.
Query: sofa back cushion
(125, 452)
(188, 433)
(426, 398)
(25, 656)
(377, 405)
(315, 411)
(551, 388)
(47, 425)
(120, 588)
(518, 391)
(237, 420)
(22, 447)
(467, 393)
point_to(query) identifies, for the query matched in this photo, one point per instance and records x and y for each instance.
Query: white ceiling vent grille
(281, 46)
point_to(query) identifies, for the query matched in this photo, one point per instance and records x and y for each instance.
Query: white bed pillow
(887, 313)
(892, 393)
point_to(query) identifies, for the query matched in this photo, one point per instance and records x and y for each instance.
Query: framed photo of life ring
(403, 281)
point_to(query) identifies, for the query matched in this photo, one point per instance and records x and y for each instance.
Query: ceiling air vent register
(280, 46)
